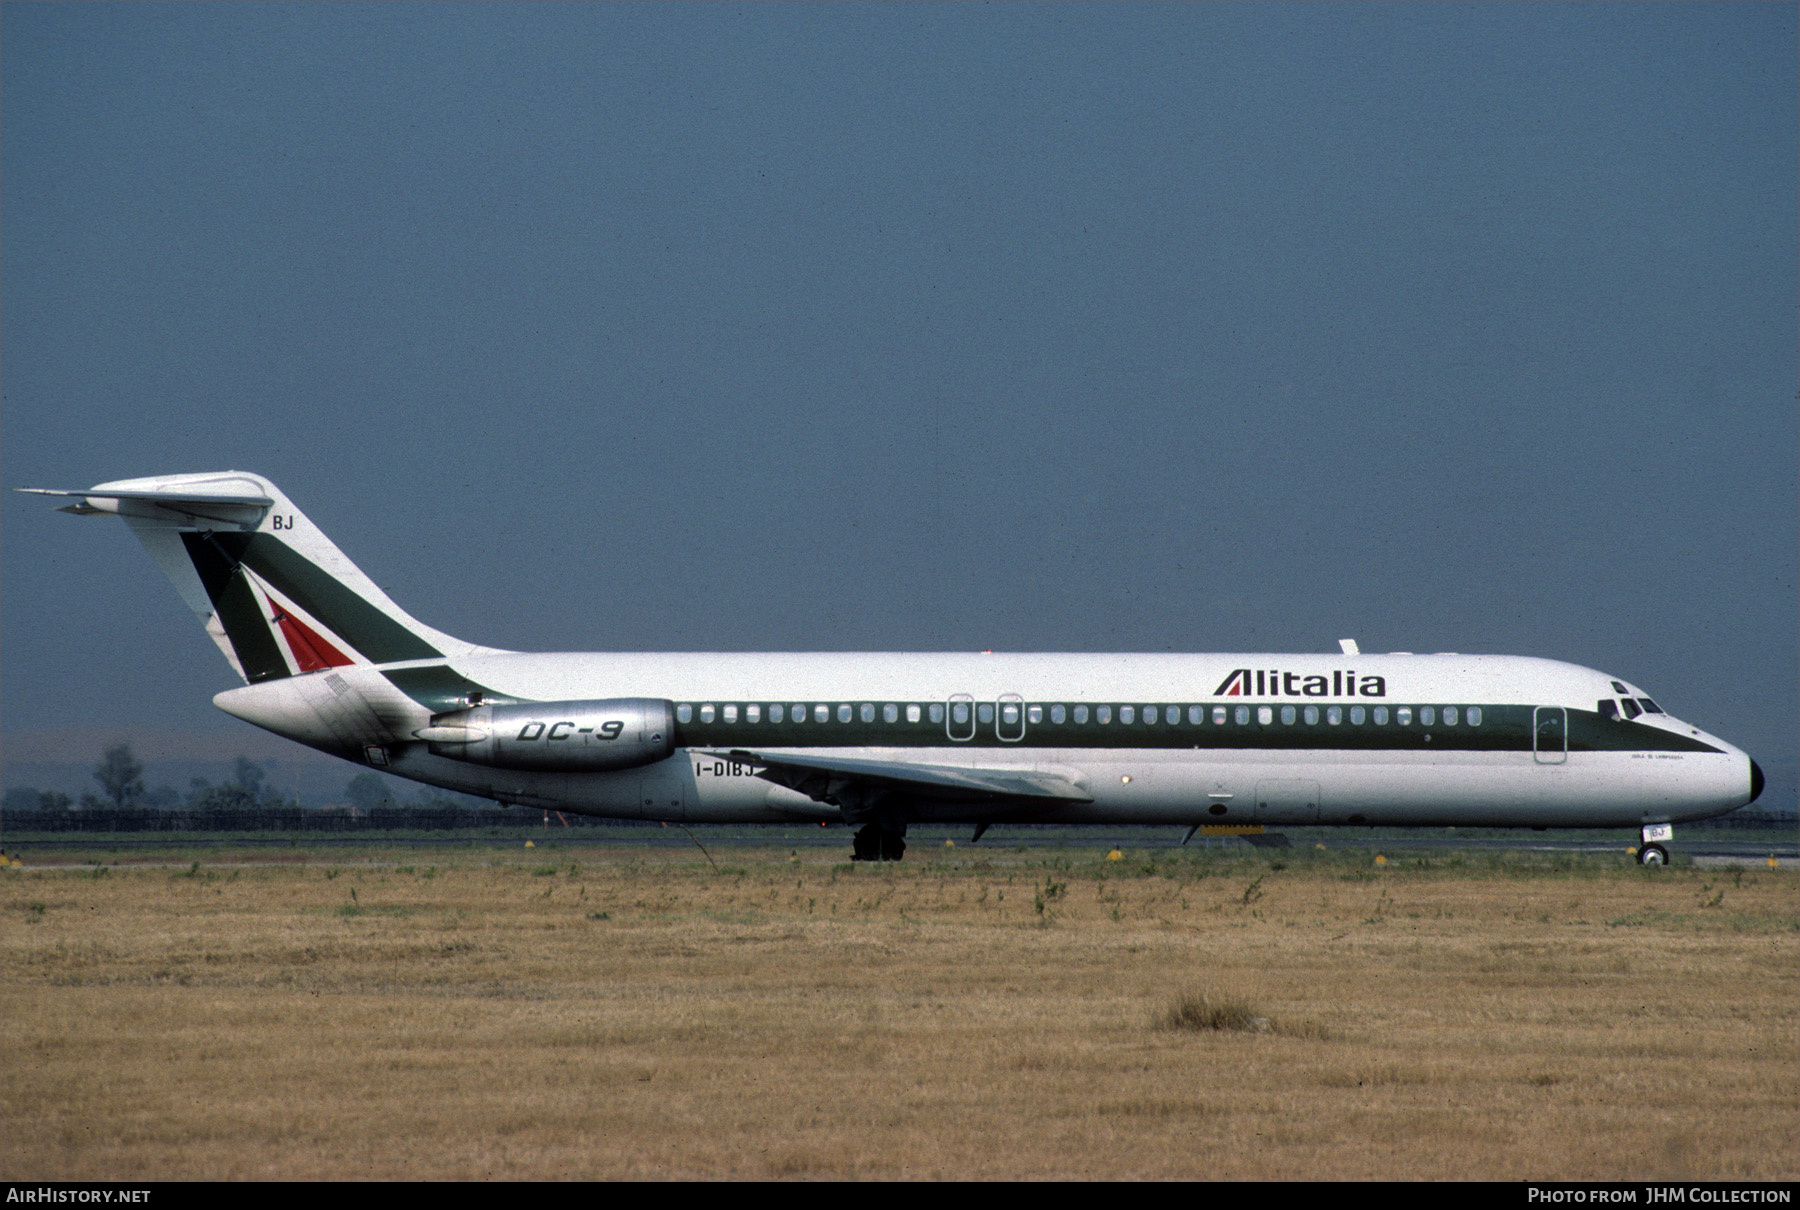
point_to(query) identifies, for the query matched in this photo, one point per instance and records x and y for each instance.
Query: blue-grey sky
(1162, 327)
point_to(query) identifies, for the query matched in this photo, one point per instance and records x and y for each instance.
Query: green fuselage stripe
(1502, 728)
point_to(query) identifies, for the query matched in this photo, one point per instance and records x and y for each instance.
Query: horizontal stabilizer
(186, 504)
(158, 497)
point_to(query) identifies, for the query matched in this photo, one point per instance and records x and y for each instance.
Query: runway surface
(1706, 847)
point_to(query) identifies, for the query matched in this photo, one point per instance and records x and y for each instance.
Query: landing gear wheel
(1652, 855)
(875, 843)
(866, 844)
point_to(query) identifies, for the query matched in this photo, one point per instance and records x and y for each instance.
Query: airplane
(877, 741)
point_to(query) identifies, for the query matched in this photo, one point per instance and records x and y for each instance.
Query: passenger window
(1034, 715)
(1265, 715)
(890, 713)
(1126, 715)
(1287, 716)
(706, 713)
(867, 713)
(1197, 715)
(1009, 713)
(1103, 714)
(1311, 715)
(1474, 716)
(985, 712)
(1630, 707)
(1380, 716)
(936, 712)
(843, 713)
(1357, 715)
(1058, 714)
(821, 713)
(1403, 716)
(1081, 714)
(1171, 715)
(912, 713)
(1334, 715)
(959, 714)
(1242, 715)
(753, 714)
(684, 713)
(777, 713)
(1427, 716)
(1449, 716)
(798, 712)
(1649, 706)
(1219, 716)
(731, 714)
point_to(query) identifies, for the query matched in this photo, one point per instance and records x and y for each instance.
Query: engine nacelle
(564, 737)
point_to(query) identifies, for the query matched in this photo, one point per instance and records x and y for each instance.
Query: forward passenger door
(1550, 735)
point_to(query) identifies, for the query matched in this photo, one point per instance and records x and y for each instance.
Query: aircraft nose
(1756, 781)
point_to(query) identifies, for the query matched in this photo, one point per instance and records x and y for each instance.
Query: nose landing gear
(1651, 852)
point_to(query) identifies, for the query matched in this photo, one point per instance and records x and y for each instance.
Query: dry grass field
(968, 1014)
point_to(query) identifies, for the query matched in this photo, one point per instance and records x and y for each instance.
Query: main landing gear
(873, 842)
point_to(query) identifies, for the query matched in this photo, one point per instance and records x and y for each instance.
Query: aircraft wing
(841, 780)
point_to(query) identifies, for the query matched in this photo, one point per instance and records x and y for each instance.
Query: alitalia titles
(1274, 682)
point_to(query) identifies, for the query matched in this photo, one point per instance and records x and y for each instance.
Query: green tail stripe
(378, 637)
(213, 565)
(242, 617)
(231, 596)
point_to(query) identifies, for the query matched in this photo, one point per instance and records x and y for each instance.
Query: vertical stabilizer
(277, 596)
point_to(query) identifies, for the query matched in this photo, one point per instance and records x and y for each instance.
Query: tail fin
(275, 594)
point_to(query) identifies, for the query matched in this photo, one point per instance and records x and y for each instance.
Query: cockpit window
(1649, 706)
(1618, 688)
(1608, 708)
(1630, 707)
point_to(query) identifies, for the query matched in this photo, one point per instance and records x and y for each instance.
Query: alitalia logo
(1273, 682)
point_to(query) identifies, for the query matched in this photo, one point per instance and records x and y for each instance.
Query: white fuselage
(1236, 739)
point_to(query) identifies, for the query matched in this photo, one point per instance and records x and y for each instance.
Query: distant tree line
(248, 803)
